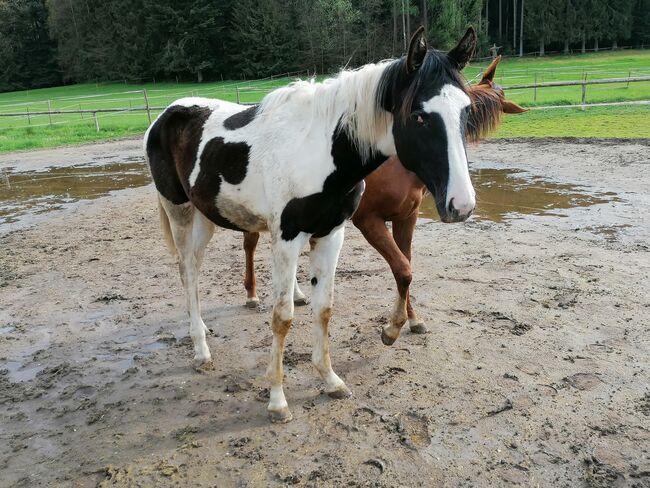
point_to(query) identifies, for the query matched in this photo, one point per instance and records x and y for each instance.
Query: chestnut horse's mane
(485, 114)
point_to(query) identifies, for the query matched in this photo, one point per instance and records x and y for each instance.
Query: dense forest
(49, 42)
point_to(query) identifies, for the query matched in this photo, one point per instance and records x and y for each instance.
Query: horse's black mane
(397, 88)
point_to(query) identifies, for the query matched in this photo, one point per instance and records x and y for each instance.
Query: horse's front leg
(374, 230)
(285, 259)
(323, 258)
(403, 235)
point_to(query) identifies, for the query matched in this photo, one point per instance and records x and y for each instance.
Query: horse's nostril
(450, 207)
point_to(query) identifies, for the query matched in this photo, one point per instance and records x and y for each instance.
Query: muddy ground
(535, 371)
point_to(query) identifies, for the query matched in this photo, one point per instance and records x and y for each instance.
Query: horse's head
(488, 104)
(487, 84)
(426, 94)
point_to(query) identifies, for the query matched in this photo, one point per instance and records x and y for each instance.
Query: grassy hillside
(23, 133)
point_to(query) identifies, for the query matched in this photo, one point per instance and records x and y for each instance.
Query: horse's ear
(464, 50)
(509, 107)
(488, 75)
(417, 51)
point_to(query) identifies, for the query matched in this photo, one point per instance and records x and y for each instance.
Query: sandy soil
(535, 371)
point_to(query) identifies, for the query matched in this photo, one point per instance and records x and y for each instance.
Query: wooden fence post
(146, 104)
(535, 89)
(237, 90)
(49, 111)
(29, 120)
(96, 121)
(629, 75)
(584, 91)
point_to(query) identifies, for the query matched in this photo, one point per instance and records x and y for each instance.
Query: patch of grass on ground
(619, 122)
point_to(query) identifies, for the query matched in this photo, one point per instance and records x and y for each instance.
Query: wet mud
(534, 372)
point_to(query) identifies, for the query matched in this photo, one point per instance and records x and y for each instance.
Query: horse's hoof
(253, 302)
(388, 341)
(340, 393)
(418, 328)
(300, 302)
(203, 365)
(280, 416)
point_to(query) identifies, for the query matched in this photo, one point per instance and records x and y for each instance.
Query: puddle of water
(18, 372)
(154, 346)
(33, 192)
(124, 364)
(506, 194)
(502, 194)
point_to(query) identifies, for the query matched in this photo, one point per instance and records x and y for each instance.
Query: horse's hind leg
(299, 297)
(191, 232)
(250, 283)
(323, 257)
(403, 235)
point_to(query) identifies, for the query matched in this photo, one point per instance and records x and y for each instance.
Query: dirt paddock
(535, 370)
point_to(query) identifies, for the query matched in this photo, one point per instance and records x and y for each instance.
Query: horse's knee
(282, 318)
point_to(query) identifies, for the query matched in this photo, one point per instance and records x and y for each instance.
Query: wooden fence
(238, 90)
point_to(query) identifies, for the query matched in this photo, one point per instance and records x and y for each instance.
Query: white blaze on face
(449, 104)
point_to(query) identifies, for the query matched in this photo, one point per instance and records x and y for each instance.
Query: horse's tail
(166, 228)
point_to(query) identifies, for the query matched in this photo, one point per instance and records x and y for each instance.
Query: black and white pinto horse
(294, 166)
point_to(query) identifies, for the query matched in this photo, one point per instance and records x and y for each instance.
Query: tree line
(50, 42)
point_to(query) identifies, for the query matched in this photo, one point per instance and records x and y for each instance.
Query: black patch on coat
(219, 159)
(171, 149)
(319, 213)
(240, 119)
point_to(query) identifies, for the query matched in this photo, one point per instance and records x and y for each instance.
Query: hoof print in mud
(340, 393)
(280, 416)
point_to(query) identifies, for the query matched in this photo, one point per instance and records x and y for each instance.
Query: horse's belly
(241, 214)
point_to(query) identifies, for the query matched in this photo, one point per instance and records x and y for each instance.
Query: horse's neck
(368, 125)
(352, 164)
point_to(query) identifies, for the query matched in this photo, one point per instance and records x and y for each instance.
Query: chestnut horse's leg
(374, 230)
(250, 243)
(323, 258)
(403, 235)
(191, 232)
(250, 283)
(285, 261)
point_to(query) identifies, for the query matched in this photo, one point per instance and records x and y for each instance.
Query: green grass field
(625, 122)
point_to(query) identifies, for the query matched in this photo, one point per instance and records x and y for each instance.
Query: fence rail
(252, 89)
(578, 82)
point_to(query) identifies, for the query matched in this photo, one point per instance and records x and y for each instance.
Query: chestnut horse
(394, 194)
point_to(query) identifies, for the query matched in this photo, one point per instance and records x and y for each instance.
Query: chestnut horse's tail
(166, 228)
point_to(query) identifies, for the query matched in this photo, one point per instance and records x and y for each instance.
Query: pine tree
(541, 20)
(27, 53)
